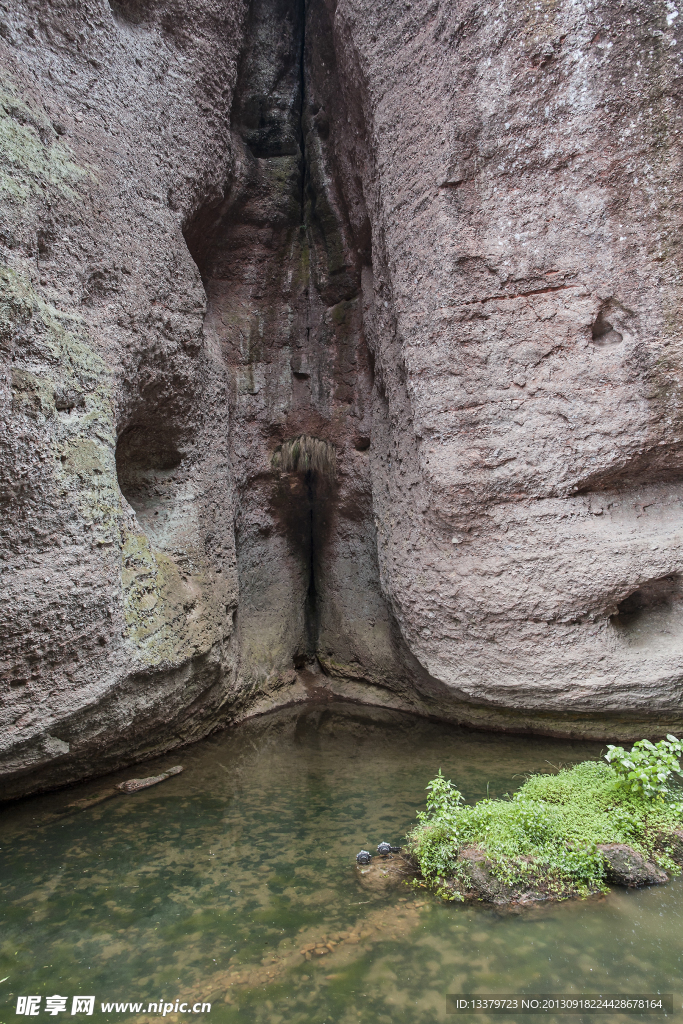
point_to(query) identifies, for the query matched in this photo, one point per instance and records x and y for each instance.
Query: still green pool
(234, 884)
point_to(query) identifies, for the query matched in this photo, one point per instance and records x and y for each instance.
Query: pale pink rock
(442, 249)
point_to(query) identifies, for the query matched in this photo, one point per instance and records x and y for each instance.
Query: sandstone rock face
(527, 441)
(340, 349)
(116, 621)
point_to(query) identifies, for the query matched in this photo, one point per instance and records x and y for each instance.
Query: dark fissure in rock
(308, 517)
(308, 654)
(304, 503)
(281, 263)
(302, 100)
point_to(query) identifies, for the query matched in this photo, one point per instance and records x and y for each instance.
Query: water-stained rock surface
(340, 353)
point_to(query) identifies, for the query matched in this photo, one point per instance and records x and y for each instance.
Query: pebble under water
(209, 886)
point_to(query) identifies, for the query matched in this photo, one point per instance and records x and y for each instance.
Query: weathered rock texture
(626, 866)
(340, 348)
(476, 877)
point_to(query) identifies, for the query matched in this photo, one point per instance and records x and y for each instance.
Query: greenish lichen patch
(32, 156)
(168, 619)
(160, 606)
(53, 357)
(31, 394)
(56, 338)
(16, 307)
(342, 313)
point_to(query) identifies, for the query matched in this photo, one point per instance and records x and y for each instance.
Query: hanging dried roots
(306, 455)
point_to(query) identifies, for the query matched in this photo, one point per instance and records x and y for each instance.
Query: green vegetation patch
(547, 837)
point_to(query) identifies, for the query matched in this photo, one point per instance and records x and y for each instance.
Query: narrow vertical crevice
(312, 618)
(314, 517)
(306, 467)
(279, 259)
(302, 107)
(311, 609)
(308, 515)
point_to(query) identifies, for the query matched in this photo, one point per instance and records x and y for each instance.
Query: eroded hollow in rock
(146, 458)
(281, 255)
(653, 600)
(603, 331)
(131, 11)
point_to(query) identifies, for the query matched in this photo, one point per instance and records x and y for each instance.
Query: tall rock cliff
(340, 354)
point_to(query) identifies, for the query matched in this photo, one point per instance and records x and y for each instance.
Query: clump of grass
(547, 835)
(306, 454)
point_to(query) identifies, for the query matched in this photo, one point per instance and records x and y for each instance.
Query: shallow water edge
(235, 883)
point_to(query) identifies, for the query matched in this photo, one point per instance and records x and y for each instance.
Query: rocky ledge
(477, 879)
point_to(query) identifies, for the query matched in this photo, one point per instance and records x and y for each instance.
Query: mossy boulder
(572, 833)
(626, 866)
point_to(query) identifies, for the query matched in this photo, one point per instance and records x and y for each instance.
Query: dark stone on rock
(364, 857)
(625, 866)
(476, 869)
(133, 785)
(672, 843)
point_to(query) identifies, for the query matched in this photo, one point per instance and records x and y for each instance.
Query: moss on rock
(555, 838)
(160, 606)
(32, 155)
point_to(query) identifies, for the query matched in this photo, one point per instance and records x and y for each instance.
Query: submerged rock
(385, 874)
(133, 785)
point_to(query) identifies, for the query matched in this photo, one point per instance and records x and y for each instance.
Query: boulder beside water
(478, 877)
(626, 866)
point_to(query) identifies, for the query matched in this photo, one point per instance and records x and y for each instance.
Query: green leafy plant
(646, 770)
(442, 802)
(438, 840)
(547, 836)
